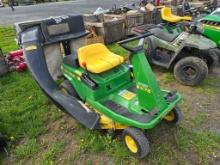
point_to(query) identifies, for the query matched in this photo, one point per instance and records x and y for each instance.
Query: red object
(16, 53)
(16, 61)
(157, 2)
(21, 67)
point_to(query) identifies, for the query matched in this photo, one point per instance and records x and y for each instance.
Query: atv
(100, 89)
(189, 54)
(210, 24)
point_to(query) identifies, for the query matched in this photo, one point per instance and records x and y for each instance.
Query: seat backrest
(92, 51)
(166, 12)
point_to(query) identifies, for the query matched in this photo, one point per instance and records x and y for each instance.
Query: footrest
(123, 111)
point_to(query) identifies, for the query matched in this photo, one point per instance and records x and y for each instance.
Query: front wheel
(174, 116)
(190, 71)
(136, 142)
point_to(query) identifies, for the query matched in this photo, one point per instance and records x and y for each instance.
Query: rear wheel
(150, 52)
(136, 142)
(174, 116)
(212, 60)
(190, 71)
(68, 88)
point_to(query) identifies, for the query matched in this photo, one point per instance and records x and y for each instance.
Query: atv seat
(167, 15)
(159, 33)
(96, 58)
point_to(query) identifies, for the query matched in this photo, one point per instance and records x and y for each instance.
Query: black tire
(217, 53)
(195, 65)
(150, 52)
(212, 60)
(66, 85)
(140, 140)
(176, 116)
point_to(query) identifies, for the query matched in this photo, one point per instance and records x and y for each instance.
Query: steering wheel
(140, 45)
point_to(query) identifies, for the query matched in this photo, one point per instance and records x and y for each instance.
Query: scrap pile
(115, 24)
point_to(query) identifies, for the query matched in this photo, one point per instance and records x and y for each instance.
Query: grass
(22, 106)
(7, 42)
(26, 115)
(51, 153)
(209, 86)
(27, 149)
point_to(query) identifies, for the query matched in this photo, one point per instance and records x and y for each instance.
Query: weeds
(27, 149)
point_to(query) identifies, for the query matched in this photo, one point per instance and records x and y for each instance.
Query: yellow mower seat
(97, 58)
(167, 15)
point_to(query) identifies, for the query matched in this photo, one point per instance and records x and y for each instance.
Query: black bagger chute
(32, 39)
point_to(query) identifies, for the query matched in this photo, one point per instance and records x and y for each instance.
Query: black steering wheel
(140, 45)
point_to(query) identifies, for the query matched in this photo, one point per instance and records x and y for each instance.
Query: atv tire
(190, 71)
(150, 52)
(212, 60)
(66, 85)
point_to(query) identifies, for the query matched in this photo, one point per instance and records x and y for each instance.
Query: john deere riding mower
(103, 92)
(188, 54)
(211, 26)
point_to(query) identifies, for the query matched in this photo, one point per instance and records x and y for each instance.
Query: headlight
(199, 27)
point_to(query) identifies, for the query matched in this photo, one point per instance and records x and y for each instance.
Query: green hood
(211, 18)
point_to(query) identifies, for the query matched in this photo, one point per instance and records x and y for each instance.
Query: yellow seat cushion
(98, 58)
(167, 15)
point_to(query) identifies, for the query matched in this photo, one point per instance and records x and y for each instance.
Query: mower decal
(127, 94)
(31, 47)
(143, 88)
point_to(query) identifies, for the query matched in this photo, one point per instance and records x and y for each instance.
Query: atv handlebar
(134, 49)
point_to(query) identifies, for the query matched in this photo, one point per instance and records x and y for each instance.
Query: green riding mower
(211, 26)
(100, 90)
(188, 54)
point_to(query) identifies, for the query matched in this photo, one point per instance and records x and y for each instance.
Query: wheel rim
(190, 72)
(131, 144)
(170, 116)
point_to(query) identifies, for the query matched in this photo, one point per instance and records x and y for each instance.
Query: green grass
(22, 106)
(7, 39)
(27, 149)
(51, 153)
(25, 113)
(201, 142)
(209, 86)
(118, 50)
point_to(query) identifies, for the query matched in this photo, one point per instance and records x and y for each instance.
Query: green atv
(189, 54)
(100, 90)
